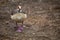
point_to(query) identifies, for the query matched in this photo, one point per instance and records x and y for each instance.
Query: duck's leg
(22, 23)
(20, 27)
(16, 24)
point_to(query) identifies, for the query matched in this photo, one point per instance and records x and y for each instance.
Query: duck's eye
(11, 13)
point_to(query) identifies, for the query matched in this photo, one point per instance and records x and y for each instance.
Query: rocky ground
(43, 22)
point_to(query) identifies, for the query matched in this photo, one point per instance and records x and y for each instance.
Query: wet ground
(43, 22)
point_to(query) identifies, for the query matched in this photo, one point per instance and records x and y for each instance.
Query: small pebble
(6, 22)
(33, 33)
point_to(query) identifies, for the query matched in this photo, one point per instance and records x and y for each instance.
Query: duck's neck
(20, 11)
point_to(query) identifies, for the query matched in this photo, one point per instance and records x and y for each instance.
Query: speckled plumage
(19, 17)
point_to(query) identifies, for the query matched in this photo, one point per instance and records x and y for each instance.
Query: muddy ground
(43, 22)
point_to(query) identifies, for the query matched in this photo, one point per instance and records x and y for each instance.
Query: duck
(19, 17)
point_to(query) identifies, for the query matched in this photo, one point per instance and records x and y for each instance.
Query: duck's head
(19, 7)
